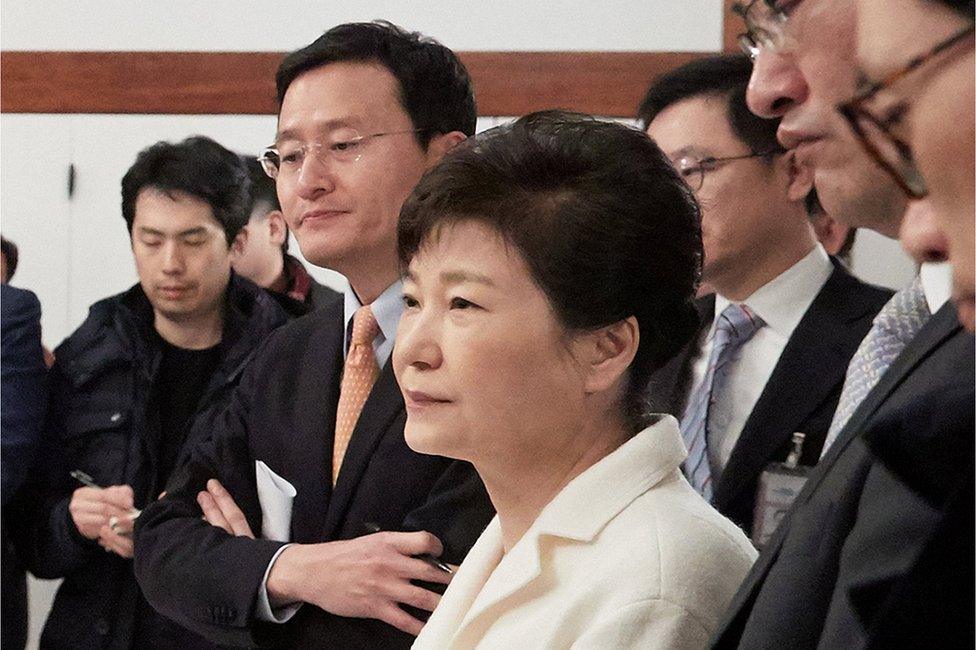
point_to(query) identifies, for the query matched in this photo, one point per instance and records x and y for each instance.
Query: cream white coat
(627, 555)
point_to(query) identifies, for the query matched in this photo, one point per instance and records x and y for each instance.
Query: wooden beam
(506, 83)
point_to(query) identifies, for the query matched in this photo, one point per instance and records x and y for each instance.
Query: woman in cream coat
(551, 267)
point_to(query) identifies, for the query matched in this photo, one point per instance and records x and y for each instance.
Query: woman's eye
(461, 303)
(410, 302)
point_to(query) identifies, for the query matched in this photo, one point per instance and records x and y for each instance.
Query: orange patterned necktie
(358, 377)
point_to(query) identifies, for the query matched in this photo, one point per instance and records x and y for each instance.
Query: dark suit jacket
(801, 394)
(929, 446)
(283, 413)
(856, 529)
(24, 401)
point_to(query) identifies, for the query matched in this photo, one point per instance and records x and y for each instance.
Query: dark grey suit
(856, 529)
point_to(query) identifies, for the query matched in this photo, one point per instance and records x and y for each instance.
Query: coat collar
(579, 512)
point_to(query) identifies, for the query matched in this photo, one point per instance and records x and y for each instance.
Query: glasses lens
(891, 152)
(692, 172)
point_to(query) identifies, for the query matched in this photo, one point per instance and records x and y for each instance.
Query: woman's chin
(424, 440)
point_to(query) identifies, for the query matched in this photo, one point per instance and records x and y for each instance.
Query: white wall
(230, 25)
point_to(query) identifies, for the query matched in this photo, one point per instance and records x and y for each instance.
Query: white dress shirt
(936, 284)
(387, 310)
(781, 303)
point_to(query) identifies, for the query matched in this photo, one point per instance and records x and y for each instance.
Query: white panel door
(35, 212)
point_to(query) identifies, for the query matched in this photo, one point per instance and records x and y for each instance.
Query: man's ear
(799, 177)
(440, 144)
(239, 244)
(605, 354)
(277, 230)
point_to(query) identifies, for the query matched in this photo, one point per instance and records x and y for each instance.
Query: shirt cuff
(264, 611)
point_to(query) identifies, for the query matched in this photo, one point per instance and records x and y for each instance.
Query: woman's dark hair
(197, 166)
(605, 225)
(435, 89)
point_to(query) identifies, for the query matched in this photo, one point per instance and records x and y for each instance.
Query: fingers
(420, 569)
(415, 596)
(212, 514)
(119, 496)
(220, 510)
(418, 543)
(399, 619)
(115, 543)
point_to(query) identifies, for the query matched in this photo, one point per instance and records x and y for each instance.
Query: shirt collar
(387, 309)
(783, 301)
(936, 284)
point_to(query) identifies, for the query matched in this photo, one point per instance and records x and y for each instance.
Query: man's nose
(921, 236)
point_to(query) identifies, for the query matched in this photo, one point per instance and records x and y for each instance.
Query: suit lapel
(794, 390)
(943, 325)
(380, 412)
(312, 447)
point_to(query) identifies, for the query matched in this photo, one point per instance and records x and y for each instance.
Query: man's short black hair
(264, 194)
(435, 89)
(725, 76)
(199, 167)
(605, 225)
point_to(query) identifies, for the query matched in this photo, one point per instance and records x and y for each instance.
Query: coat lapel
(820, 341)
(311, 450)
(383, 408)
(578, 513)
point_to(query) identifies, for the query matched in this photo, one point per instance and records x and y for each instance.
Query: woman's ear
(605, 354)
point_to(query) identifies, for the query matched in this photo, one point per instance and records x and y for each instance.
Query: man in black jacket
(312, 448)
(136, 385)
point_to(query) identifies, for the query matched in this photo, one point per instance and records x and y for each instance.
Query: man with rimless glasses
(761, 258)
(839, 560)
(320, 527)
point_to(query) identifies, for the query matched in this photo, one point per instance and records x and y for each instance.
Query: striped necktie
(735, 325)
(895, 325)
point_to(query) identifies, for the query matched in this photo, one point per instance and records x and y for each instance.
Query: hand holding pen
(429, 559)
(94, 506)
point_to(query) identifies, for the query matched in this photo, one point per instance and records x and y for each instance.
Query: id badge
(778, 486)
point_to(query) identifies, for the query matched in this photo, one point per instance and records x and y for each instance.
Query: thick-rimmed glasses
(874, 126)
(765, 25)
(693, 170)
(344, 146)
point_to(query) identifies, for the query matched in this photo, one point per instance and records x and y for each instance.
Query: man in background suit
(761, 253)
(24, 394)
(364, 110)
(856, 530)
(260, 252)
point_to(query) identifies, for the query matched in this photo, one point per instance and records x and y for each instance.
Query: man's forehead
(353, 94)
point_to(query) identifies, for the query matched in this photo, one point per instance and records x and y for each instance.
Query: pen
(88, 481)
(426, 557)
